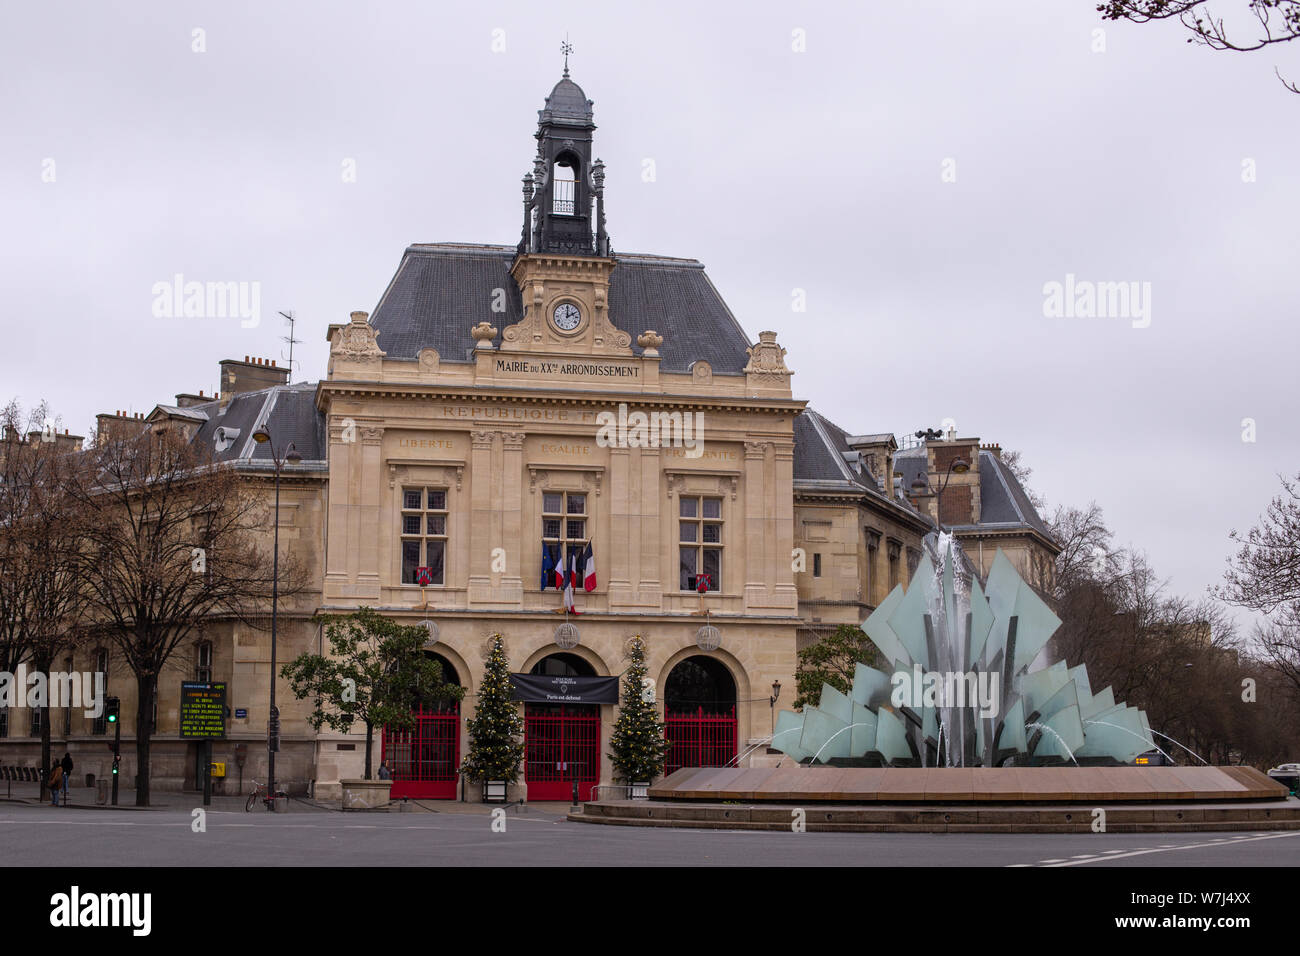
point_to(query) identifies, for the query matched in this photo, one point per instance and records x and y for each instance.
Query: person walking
(55, 781)
(66, 766)
(384, 772)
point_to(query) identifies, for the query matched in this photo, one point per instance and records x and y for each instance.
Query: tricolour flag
(589, 569)
(571, 581)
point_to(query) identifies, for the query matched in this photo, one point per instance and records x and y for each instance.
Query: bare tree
(1264, 576)
(1085, 542)
(1278, 22)
(172, 540)
(39, 606)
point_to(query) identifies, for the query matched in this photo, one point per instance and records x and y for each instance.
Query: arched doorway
(700, 714)
(425, 760)
(561, 741)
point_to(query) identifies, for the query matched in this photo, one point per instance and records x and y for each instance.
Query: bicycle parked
(260, 793)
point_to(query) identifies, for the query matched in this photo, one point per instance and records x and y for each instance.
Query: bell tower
(565, 185)
(563, 261)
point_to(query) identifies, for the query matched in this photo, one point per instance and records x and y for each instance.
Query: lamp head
(262, 436)
(961, 466)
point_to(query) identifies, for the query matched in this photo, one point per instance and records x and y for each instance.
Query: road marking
(1167, 847)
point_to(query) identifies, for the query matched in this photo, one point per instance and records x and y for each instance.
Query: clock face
(567, 317)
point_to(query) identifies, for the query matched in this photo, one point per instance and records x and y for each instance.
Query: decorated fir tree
(638, 739)
(496, 729)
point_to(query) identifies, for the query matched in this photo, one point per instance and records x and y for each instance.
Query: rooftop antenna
(289, 317)
(566, 48)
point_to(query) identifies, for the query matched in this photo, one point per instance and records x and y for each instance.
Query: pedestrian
(384, 772)
(55, 781)
(66, 766)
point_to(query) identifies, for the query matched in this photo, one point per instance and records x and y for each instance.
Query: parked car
(1287, 774)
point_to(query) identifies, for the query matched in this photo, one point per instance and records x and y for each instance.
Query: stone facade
(443, 433)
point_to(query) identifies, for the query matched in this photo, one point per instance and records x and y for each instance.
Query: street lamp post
(263, 436)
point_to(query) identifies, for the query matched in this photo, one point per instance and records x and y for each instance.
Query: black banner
(564, 690)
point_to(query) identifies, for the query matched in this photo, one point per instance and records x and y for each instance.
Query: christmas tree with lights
(496, 730)
(638, 740)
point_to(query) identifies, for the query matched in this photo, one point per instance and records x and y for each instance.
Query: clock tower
(563, 261)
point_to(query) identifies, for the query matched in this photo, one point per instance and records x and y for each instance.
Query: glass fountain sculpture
(967, 687)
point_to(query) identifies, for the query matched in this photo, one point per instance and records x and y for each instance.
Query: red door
(562, 742)
(700, 739)
(425, 760)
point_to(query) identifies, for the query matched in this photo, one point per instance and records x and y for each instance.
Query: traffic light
(114, 706)
(116, 761)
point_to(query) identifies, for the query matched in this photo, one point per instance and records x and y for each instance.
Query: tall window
(4, 721)
(700, 538)
(100, 725)
(895, 552)
(35, 729)
(424, 532)
(203, 662)
(873, 548)
(564, 521)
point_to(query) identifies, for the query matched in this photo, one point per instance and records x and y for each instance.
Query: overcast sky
(129, 157)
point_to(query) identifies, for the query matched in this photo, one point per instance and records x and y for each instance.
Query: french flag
(589, 569)
(559, 567)
(571, 580)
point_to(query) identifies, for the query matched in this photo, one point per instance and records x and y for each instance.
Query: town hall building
(504, 406)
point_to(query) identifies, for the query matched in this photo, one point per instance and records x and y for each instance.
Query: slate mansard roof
(289, 411)
(442, 290)
(823, 460)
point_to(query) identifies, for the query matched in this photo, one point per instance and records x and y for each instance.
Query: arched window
(564, 185)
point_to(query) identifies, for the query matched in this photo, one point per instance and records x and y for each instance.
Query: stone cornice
(536, 396)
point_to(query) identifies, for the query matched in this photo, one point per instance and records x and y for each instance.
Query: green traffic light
(112, 718)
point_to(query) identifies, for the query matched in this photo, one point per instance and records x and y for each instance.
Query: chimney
(961, 495)
(189, 399)
(120, 424)
(68, 442)
(250, 375)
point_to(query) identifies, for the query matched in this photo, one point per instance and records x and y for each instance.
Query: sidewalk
(86, 798)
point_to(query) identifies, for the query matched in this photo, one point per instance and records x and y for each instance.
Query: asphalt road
(539, 835)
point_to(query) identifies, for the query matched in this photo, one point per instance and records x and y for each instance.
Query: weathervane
(566, 48)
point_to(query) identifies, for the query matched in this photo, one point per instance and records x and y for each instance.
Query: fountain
(964, 690)
(970, 729)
